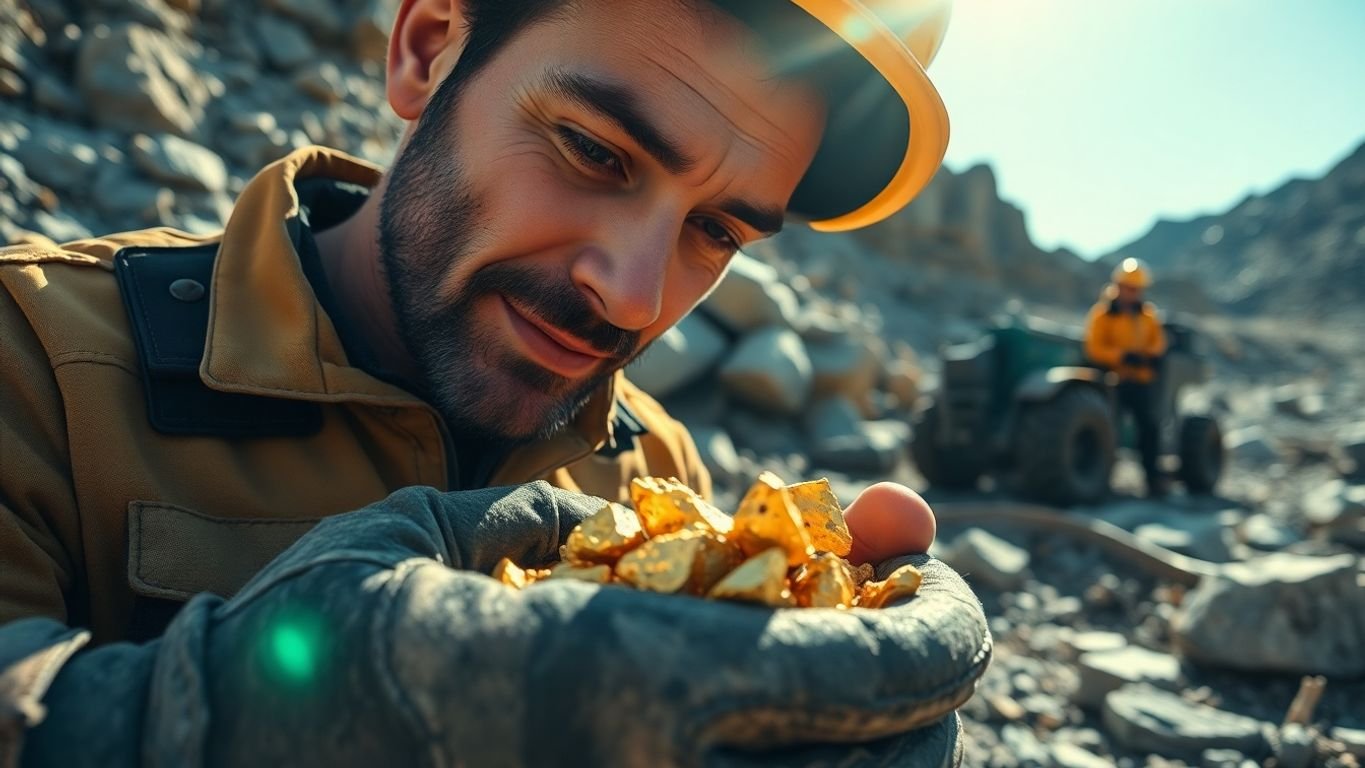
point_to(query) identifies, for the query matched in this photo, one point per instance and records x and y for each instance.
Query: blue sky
(1099, 116)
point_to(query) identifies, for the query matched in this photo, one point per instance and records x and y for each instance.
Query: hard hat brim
(886, 135)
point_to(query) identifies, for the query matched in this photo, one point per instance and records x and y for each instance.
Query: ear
(428, 37)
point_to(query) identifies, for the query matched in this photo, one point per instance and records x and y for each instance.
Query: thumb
(889, 520)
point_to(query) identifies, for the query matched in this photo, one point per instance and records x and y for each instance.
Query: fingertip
(888, 520)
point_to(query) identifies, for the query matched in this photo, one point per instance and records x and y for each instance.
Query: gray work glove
(372, 641)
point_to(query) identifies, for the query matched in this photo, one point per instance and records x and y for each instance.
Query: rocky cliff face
(1298, 251)
(960, 227)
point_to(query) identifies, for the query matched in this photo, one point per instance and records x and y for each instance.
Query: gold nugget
(509, 573)
(597, 574)
(604, 536)
(902, 583)
(662, 564)
(666, 506)
(676, 543)
(767, 518)
(760, 579)
(822, 515)
(825, 582)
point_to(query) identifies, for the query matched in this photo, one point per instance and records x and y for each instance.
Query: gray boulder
(847, 365)
(320, 16)
(1078, 643)
(284, 43)
(1263, 532)
(179, 162)
(126, 195)
(1147, 719)
(1252, 446)
(140, 80)
(1105, 671)
(986, 559)
(871, 452)
(1336, 507)
(840, 440)
(762, 434)
(1296, 401)
(58, 158)
(322, 81)
(829, 418)
(1279, 613)
(59, 226)
(751, 296)
(679, 356)
(253, 139)
(1064, 755)
(770, 370)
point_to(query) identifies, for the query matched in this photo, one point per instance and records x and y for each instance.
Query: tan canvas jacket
(156, 443)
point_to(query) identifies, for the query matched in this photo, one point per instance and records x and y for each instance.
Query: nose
(623, 270)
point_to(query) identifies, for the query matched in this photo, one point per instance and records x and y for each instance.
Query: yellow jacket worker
(1123, 334)
(176, 410)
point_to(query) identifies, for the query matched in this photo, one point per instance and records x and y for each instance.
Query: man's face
(1130, 294)
(588, 189)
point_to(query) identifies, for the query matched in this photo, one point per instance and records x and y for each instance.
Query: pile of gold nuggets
(784, 547)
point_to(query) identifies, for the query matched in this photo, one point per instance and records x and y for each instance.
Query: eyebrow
(766, 220)
(621, 107)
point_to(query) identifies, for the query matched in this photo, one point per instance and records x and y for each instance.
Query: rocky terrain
(1162, 634)
(1297, 251)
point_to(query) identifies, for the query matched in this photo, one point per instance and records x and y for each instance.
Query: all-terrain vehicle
(1021, 404)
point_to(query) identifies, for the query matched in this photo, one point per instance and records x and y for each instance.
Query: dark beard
(427, 223)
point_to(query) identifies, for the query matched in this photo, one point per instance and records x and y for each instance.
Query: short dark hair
(489, 25)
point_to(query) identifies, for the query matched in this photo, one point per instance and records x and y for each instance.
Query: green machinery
(1020, 403)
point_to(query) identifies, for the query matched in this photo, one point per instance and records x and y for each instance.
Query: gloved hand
(1136, 359)
(359, 646)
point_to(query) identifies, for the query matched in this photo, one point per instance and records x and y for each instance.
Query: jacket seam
(92, 357)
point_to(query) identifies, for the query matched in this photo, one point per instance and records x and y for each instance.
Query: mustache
(557, 303)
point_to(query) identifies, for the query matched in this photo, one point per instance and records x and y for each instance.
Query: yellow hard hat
(1132, 273)
(887, 128)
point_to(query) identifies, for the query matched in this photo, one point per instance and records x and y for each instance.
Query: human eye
(589, 154)
(716, 233)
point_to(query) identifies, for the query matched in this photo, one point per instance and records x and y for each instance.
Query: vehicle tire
(943, 468)
(1201, 453)
(1065, 447)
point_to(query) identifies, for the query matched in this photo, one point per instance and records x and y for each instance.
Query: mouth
(548, 346)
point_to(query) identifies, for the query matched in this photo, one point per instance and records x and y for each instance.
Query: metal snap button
(187, 290)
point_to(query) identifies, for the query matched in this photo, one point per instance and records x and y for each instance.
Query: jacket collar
(267, 333)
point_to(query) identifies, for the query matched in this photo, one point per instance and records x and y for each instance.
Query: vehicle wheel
(1201, 453)
(1065, 447)
(943, 468)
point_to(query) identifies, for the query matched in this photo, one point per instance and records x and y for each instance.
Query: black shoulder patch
(625, 429)
(165, 291)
